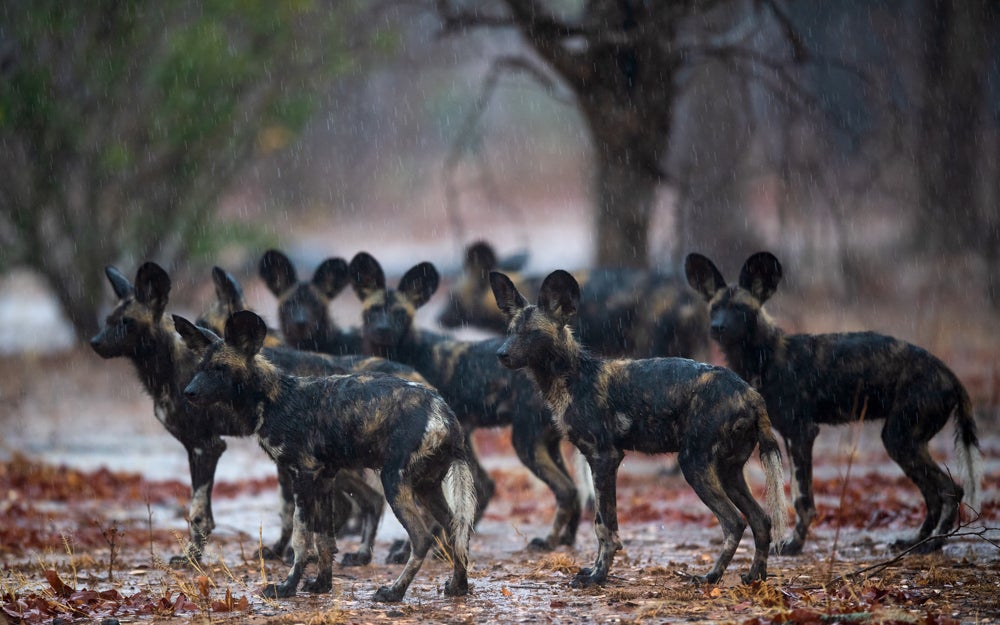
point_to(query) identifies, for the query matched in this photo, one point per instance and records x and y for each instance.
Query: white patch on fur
(623, 423)
(970, 465)
(435, 432)
(160, 412)
(558, 400)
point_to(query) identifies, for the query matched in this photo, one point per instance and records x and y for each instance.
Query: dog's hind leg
(370, 503)
(400, 495)
(705, 476)
(735, 485)
(538, 449)
(800, 456)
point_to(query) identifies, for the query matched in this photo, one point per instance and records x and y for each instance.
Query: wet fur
(316, 427)
(813, 379)
(707, 414)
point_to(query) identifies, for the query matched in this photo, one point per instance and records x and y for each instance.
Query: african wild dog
(138, 330)
(303, 307)
(810, 379)
(365, 492)
(623, 312)
(657, 405)
(316, 427)
(468, 376)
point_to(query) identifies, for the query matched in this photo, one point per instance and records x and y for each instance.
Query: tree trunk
(623, 207)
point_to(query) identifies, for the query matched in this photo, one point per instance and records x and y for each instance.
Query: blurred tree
(624, 63)
(123, 121)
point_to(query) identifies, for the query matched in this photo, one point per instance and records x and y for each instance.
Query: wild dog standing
(468, 376)
(623, 312)
(809, 379)
(303, 307)
(365, 491)
(138, 330)
(318, 426)
(657, 405)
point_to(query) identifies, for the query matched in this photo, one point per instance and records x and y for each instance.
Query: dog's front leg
(299, 543)
(203, 458)
(604, 466)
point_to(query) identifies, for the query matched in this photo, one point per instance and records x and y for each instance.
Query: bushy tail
(970, 458)
(774, 475)
(460, 491)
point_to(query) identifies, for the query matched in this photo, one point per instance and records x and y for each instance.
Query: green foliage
(123, 121)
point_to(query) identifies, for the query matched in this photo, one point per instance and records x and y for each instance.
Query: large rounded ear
(760, 275)
(196, 338)
(480, 260)
(119, 283)
(227, 290)
(366, 275)
(152, 288)
(509, 299)
(559, 296)
(245, 332)
(277, 272)
(331, 277)
(419, 283)
(703, 276)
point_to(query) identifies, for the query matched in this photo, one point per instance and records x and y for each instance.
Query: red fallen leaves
(63, 600)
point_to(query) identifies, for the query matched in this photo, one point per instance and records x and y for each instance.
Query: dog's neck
(558, 367)
(753, 356)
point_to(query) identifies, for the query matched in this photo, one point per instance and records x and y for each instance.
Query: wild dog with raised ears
(316, 427)
(364, 490)
(812, 379)
(303, 307)
(468, 376)
(138, 330)
(623, 312)
(658, 405)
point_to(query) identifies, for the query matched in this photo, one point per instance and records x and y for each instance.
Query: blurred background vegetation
(854, 136)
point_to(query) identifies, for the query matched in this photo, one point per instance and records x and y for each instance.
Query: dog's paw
(278, 591)
(586, 578)
(540, 544)
(386, 594)
(318, 585)
(453, 588)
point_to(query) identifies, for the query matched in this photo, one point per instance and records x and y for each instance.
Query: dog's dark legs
(431, 497)
(942, 495)
(299, 541)
(535, 447)
(800, 448)
(707, 484)
(401, 498)
(203, 458)
(735, 485)
(604, 466)
(370, 504)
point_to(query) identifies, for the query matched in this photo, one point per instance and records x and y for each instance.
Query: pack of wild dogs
(357, 417)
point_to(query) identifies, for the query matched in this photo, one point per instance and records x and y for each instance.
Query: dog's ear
(703, 276)
(559, 296)
(152, 288)
(760, 275)
(227, 290)
(277, 272)
(331, 277)
(509, 299)
(480, 260)
(119, 283)
(366, 275)
(419, 283)
(196, 338)
(245, 332)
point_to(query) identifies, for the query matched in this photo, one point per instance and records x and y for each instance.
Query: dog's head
(535, 332)
(736, 311)
(228, 367)
(303, 307)
(131, 328)
(387, 314)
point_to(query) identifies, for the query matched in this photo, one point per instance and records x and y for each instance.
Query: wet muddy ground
(93, 493)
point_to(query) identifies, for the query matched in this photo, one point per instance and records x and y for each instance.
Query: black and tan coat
(623, 312)
(813, 379)
(706, 414)
(316, 427)
(482, 393)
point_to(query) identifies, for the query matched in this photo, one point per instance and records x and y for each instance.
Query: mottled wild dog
(365, 491)
(623, 312)
(811, 379)
(137, 329)
(468, 376)
(657, 405)
(304, 307)
(316, 427)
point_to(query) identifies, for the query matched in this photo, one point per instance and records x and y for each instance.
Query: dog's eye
(128, 323)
